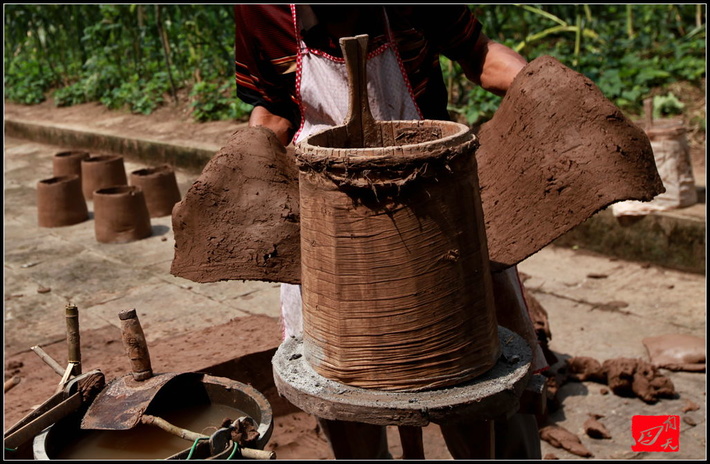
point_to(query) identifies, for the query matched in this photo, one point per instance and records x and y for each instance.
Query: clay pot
(102, 171)
(160, 188)
(67, 163)
(121, 214)
(60, 202)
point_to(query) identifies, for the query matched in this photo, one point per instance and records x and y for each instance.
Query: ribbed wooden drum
(395, 272)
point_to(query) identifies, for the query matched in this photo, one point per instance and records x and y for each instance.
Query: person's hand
(492, 65)
(282, 127)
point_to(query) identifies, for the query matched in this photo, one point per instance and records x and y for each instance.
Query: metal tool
(122, 403)
(78, 391)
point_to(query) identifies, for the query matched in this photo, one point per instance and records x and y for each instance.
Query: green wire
(194, 446)
(234, 451)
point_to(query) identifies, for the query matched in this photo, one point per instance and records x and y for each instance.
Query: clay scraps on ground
(627, 377)
(595, 429)
(676, 352)
(690, 406)
(560, 437)
(541, 324)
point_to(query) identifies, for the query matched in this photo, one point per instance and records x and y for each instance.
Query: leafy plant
(212, 101)
(26, 83)
(138, 56)
(666, 105)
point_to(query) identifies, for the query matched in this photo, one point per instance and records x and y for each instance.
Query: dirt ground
(296, 434)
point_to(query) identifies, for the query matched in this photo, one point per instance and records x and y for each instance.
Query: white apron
(322, 90)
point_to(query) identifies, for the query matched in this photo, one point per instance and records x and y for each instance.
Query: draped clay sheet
(556, 152)
(240, 218)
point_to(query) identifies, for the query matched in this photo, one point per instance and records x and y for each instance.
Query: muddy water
(145, 441)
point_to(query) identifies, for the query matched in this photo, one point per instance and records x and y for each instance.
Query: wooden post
(412, 443)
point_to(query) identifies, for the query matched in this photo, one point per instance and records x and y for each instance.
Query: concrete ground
(598, 305)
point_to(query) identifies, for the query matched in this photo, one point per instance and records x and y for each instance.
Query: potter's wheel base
(492, 395)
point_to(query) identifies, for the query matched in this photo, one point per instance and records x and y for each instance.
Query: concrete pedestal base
(494, 394)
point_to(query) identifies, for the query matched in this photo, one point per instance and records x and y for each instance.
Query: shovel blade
(122, 403)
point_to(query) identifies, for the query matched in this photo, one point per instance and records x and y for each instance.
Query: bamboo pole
(12, 382)
(48, 360)
(73, 338)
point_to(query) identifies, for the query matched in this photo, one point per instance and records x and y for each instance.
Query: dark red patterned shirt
(266, 51)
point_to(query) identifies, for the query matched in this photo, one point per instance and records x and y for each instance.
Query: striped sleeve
(451, 29)
(265, 58)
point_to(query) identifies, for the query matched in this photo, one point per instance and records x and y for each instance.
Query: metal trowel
(123, 402)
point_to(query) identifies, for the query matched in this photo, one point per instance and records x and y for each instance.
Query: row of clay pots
(122, 212)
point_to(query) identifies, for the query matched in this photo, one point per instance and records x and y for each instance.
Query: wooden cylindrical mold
(396, 282)
(102, 171)
(160, 188)
(121, 214)
(68, 163)
(60, 202)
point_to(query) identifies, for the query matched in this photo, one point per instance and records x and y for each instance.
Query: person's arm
(265, 63)
(280, 126)
(455, 32)
(492, 65)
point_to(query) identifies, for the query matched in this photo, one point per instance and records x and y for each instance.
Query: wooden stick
(12, 382)
(48, 360)
(249, 453)
(360, 125)
(648, 113)
(135, 344)
(412, 443)
(168, 427)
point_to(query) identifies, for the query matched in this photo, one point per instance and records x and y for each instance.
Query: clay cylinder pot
(121, 214)
(396, 282)
(160, 188)
(67, 163)
(60, 202)
(102, 171)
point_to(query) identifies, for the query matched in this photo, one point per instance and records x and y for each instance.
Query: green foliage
(125, 56)
(626, 50)
(211, 102)
(25, 82)
(667, 105)
(140, 56)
